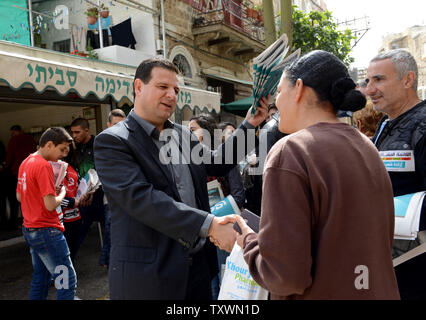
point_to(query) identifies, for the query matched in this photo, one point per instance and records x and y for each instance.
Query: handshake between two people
(222, 232)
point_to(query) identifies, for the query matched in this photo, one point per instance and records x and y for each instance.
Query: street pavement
(16, 271)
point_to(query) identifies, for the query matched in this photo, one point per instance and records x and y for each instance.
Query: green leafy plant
(318, 31)
(91, 12)
(104, 7)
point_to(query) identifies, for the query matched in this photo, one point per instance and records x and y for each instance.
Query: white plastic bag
(237, 283)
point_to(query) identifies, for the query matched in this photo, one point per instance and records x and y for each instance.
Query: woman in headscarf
(327, 221)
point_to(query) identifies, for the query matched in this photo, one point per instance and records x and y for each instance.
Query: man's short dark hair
(223, 125)
(144, 70)
(16, 127)
(272, 106)
(57, 135)
(116, 113)
(84, 123)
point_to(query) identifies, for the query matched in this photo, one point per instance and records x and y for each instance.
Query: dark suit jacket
(151, 229)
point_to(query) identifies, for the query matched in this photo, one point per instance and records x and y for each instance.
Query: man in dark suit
(160, 211)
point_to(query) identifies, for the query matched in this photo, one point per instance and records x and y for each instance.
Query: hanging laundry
(93, 38)
(78, 38)
(122, 34)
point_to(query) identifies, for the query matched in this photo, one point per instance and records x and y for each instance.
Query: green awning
(239, 107)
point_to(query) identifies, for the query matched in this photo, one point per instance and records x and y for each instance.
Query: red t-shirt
(35, 181)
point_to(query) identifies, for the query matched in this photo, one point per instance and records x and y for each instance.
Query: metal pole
(163, 25)
(30, 14)
(269, 22)
(101, 36)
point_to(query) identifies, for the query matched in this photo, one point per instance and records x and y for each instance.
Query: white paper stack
(59, 171)
(89, 184)
(408, 208)
(268, 68)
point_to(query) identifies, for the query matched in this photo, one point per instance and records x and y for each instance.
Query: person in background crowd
(392, 80)
(3, 187)
(231, 183)
(367, 119)
(42, 227)
(322, 219)
(91, 205)
(269, 134)
(362, 87)
(272, 109)
(70, 209)
(114, 117)
(20, 146)
(227, 129)
(160, 211)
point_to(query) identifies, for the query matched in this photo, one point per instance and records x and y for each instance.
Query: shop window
(62, 46)
(183, 65)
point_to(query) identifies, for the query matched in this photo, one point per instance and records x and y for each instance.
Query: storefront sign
(18, 70)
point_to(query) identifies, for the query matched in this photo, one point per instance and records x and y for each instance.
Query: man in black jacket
(160, 210)
(392, 86)
(82, 158)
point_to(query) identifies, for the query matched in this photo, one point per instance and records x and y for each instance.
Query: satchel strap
(409, 254)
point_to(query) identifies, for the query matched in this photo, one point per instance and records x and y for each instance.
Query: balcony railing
(234, 14)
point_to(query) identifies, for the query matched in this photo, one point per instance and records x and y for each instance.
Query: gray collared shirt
(180, 172)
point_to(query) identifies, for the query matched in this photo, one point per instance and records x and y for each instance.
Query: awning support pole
(101, 36)
(30, 17)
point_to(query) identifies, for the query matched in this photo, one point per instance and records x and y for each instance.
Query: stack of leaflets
(89, 184)
(59, 171)
(408, 208)
(215, 192)
(268, 68)
(225, 207)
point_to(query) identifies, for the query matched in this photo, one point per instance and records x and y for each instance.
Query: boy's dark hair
(84, 123)
(57, 135)
(143, 72)
(116, 113)
(16, 127)
(223, 125)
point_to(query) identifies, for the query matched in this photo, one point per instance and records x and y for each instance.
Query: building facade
(413, 40)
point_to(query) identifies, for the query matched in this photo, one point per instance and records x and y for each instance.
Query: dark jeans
(89, 214)
(51, 259)
(72, 234)
(104, 258)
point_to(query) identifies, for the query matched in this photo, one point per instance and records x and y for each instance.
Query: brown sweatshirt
(327, 219)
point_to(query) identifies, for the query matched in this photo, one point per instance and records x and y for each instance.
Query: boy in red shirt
(42, 227)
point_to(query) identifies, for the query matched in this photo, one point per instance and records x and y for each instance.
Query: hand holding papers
(59, 171)
(215, 192)
(89, 184)
(268, 68)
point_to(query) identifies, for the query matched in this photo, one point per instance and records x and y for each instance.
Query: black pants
(72, 234)
(199, 278)
(89, 214)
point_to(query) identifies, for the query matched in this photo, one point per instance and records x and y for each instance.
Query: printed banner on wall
(14, 22)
